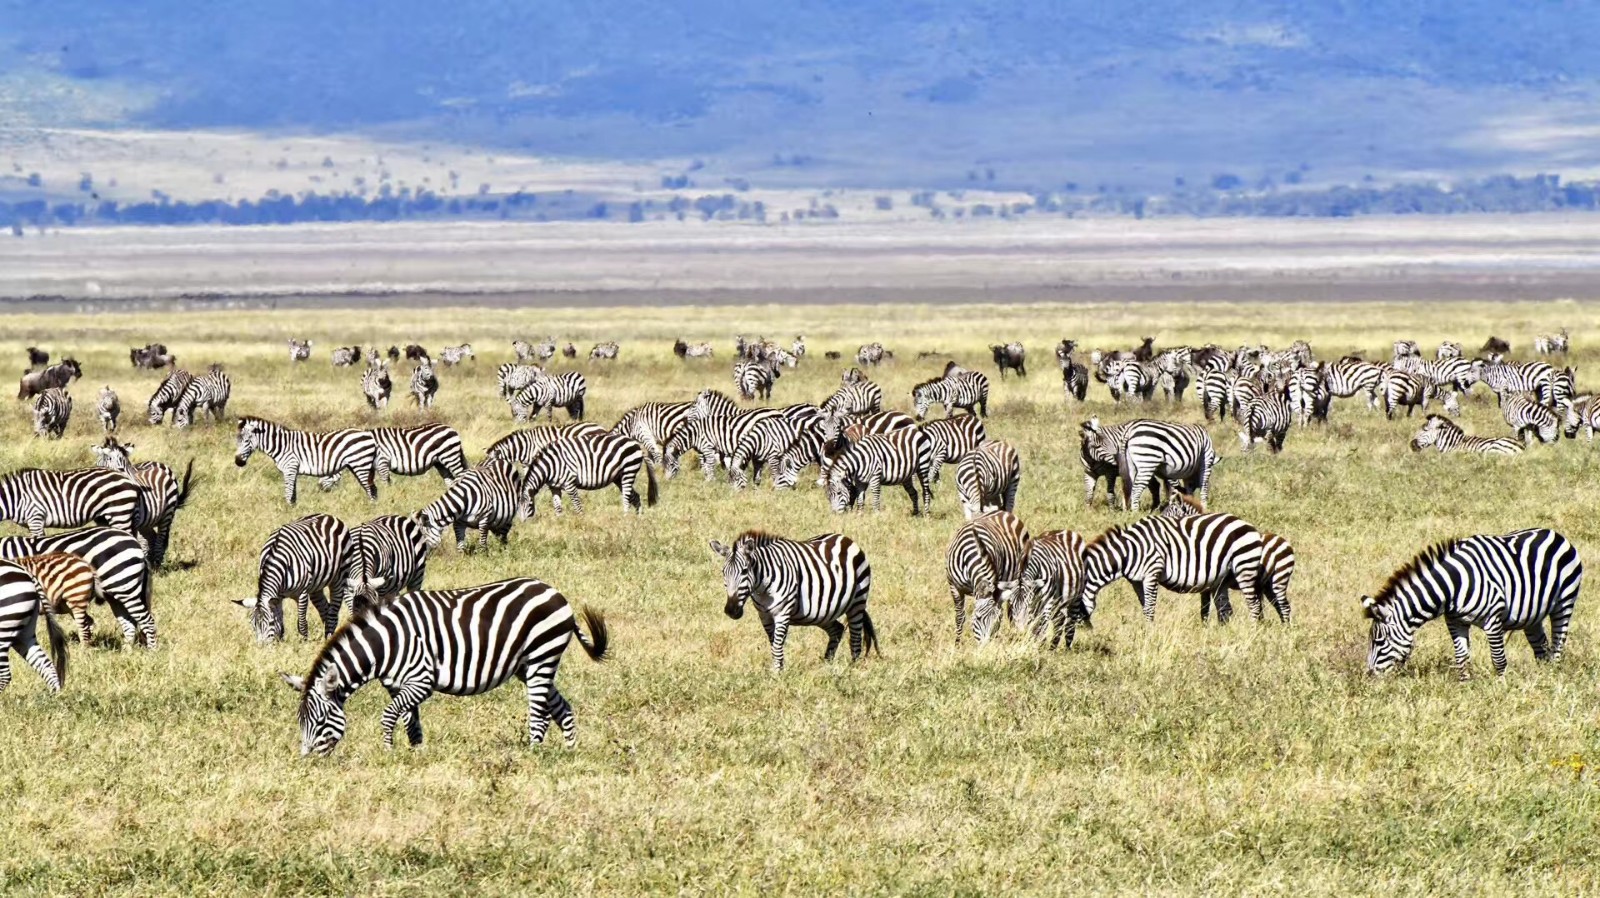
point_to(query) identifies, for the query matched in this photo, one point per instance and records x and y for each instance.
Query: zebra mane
(1112, 531)
(325, 654)
(1424, 559)
(761, 538)
(928, 383)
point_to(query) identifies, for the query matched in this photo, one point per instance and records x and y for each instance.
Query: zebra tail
(183, 489)
(599, 641)
(58, 647)
(652, 492)
(869, 637)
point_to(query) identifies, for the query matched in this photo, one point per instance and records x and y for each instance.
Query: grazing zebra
(523, 446)
(52, 409)
(389, 556)
(38, 499)
(714, 431)
(424, 384)
(599, 461)
(985, 560)
(1132, 378)
(1550, 344)
(952, 438)
(512, 377)
(1581, 412)
(1454, 372)
(1216, 394)
(167, 394)
(68, 585)
(312, 453)
(1447, 436)
(450, 356)
(1350, 375)
(376, 385)
(163, 494)
(308, 560)
(410, 451)
(1308, 395)
(120, 570)
(1277, 564)
(109, 409)
(607, 350)
(1173, 366)
(1527, 377)
(1497, 583)
(1207, 554)
(653, 425)
(299, 350)
(855, 397)
(987, 479)
(485, 499)
(206, 394)
(1563, 387)
(1266, 418)
(956, 388)
(546, 393)
(451, 642)
(899, 457)
(1011, 357)
(808, 583)
(1144, 451)
(835, 431)
(1096, 468)
(20, 605)
(764, 445)
(870, 354)
(346, 356)
(692, 350)
(1403, 388)
(754, 379)
(1051, 586)
(1529, 418)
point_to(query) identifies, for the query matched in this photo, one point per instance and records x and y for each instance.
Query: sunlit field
(1169, 758)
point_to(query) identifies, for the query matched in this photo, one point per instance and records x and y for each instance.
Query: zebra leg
(1459, 630)
(85, 623)
(1560, 620)
(5, 670)
(575, 500)
(961, 612)
(460, 528)
(835, 631)
(1537, 640)
(560, 710)
(147, 629)
(630, 496)
(541, 682)
(384, 469)
(1147, 598)
(327, 610)
(368, 480)
(414, 726)
(327, 483)
(483, 537)
(291, 476)
(1224, 605)
(403, 704)
(1088, 491)
(780, 636)
(27, 645)
(911, 493)
(301, 603)
(1494, 631)
(858, 631)
(877, 495)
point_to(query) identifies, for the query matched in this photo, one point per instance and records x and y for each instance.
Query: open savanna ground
(1173, 758)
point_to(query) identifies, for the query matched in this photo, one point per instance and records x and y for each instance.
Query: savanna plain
(1177, 757)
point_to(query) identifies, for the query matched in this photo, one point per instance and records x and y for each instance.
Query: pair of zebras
(187, 397)
(530, 390)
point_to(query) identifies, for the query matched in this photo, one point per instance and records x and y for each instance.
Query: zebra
(870, 354)
(713, 430)
(1207, 554)
(952, 438)
(607, 350)
(1051, 584)
(37, 499)
(1448, 350)
(206, 394)
(1527, 377)
(1308, 395)
(512, 377)
(523, 446)
(1529, 418)
(956, 388)
(692, 350)
(987, 479)
(1581, 412)
(450, 356)
(798, 347)
(985, 560)
(599, 461)
(898, 457)
(424, 384)
(856, 397)
(525, 351)
(1350, 376)
(1277, 564)
(163, 494)
(1550, 344)
(754, 379)
(167, 394)
(345, 356)
(1563, 387)
(299, 350)
(376, 385)
(1173, 367)
(1402, 388)
(1144, 451)
(1497, 583)
(809, 582)
(485, 499)
(1096, 468)
(1216, 394)
(1012, 357)
(120, 568)
(1447, 436)
(1074, 374)
(410, 451)
(1126, 377)
(1454, 372)
(312, 453)
(569, 351)
(1267, 418)
(109, 409)
(374, 356)
(764, 445)
(52, 409)
(21, 603)
(451, 642)
(546, 393)
(308, 560)
(653, 425)
(1211, 357)
(389, 556)
(68, 585)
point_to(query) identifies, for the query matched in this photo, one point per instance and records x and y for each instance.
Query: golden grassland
(1174, 758)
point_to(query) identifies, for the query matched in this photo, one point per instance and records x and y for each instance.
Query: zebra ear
(298, 684)
(246, 603)
(725, 552)
(1370, 607)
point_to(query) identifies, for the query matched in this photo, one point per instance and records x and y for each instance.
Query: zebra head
(738, 574)
(1094, 443)
(322, 720)
(1392, 635)
(250, 431)
(536, 480)
(842, 490)
(1573, 406)
(432, 524)
(926, 394)
(266, 618)
(114, 455)
(1430, 433)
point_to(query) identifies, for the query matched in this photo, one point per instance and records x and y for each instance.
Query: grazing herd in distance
(463, 641)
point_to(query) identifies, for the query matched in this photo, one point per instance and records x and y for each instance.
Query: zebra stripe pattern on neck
(485, 499)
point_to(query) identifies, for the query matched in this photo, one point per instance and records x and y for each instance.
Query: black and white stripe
(20, 605)
(1350, 376)
(1403, 388)
(205, 395)
(411, 451)
(37, 499)
(1446, 436)
(985, 560)
(511, 378)
(161, 498)
(389, 556)
(299, 350)
(120, 569)
(952, 438)
(1526, 377)
(52, 410)
(1143, 450)
(523, 446)
(1277, 565)
(486, 499)
(167, 394)
(810, 583)
(956, 388)
(606, 350)
(987, 479)
(377, 385)
(653, 425)
(1529, 418)
(424, 384)
(1308, 395)
(310, 453)
(1581, 412)
(450, 356)
(309, 561)
(109, 408)
(345, 356)
(903, 457)
(855, 397)
(1208, 554)
(1052, 587)
(592, 463)
(1267, 415)
(546, 393)
(753, 380)
(451, 642)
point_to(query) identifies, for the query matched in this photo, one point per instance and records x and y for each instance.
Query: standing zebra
(167, 394)
(798, 347)
(1448, 349)
(763, 447)
(523, 446)
(345, 356)
(485, 499)
(546, 393)
(1267, 416)
(1447, 436)
(692, 350)
(713, 430)
(1528, 377)
(206, 394)
(1308, 395)
(900, 457)
(607, 350)
(424, 384)
(376, 385)
(450, 356)
(754, 379)
(20, 606)
(1549, 344)
(952, 438)
(1205, 554)
(653, 425)
(855, 397)
(312, 453)
(1052, 586)
(987, 479)
(1162, 451)
(163, 495)
(957, 388)
(512, 377)
(1350, 376)
(38, 499)
(389, 556)
(308, 560)
(810, 583)
(452, 642)
(67, 584)
(299, 350)
(599, 461)
(1497, 583)
(1074, 374)
(1403, 388)
(1277, 565)
(985, 560)
(410, 451)
(120, 570)
(871, 354)
(109, 409)
(1529, 418)
(52, 409)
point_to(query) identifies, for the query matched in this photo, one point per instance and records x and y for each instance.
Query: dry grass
(1171, 759)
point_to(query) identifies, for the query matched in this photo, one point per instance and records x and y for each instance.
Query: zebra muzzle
(239, 461)
(734, 609)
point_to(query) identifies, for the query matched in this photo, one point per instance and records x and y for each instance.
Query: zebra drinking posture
(985, 560)
(424, 384)
(389, 556)
(161, 498)
(109, 409)
(546, 393)
(1447, 436)
(52, 409)
(206, 394)
(1497, 583)
(987, 479)
(37, 499)
(167, 394)
(451, 642)
(120, 570)
(599, 461)
(956, 388)
(1052, 586)
(376, 385)
(67, 584)
(809, 583)
(20, 606)
(484, 498)
(312, 453)
(308, 560)
(899, 457)
(1205, 554)
(1529, 418)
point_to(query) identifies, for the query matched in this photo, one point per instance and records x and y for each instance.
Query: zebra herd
(418, 641)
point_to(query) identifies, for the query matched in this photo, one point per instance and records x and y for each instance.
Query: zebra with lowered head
(592, 463)
(855, 397)
(1051, 587)
(167, 395)
(956, 388)
(987, 479)
(485, 499)
(1529, 418)
(121, 573)
(388, 556)
(52, 409)
(1447, 436)
(1208, 554)
(1496, 583)
(1350, 376)
(345, 356)
(1267, 416)
(903, 457)
(450, 356)
(308, 561)
(451, 642)
(205, 395)
(985, 560)
(20, 606)
(810, 582)
(310, 453)
(1526, 377)
(523, 446)
(546, 393)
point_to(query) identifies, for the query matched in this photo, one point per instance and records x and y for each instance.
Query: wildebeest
(394, 353)
(1495, 344)
(151, 355)
(691, 351)
(1146, 350)
(58, 375)
(1010, 357)
(415, 353)
(37, 358)
(570, 352)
